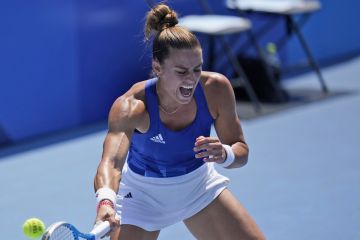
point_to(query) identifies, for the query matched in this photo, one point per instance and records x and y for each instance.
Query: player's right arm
(126, 115)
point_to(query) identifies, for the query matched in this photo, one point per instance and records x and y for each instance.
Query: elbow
(242, 157)
(246, 155)
(245, 161)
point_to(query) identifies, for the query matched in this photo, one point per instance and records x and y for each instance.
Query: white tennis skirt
(154, 203)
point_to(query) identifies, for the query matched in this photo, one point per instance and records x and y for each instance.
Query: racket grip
(101, 230)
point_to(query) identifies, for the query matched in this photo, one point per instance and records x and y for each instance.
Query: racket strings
(62, 233)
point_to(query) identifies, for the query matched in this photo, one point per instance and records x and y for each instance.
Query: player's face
(180, 73)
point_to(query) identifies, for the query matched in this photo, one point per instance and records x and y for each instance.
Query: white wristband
(105, 193)
(230, 156)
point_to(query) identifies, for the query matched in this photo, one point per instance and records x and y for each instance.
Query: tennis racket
(67, 231)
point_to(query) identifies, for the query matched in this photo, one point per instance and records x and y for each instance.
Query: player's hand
(210, 149)
(107, 213)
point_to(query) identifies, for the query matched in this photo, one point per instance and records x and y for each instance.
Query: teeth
(188, 87)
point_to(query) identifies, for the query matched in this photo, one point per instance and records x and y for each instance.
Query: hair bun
(169, 20)
(159, 18)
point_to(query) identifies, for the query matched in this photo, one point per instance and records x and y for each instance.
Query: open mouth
(187, 90)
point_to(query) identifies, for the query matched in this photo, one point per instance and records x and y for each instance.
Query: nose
(193, 77)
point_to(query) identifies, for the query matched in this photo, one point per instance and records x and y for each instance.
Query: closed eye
(181, 72)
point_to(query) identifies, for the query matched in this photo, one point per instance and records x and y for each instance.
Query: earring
(154, 74)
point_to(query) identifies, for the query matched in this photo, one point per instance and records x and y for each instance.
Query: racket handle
(101, 230)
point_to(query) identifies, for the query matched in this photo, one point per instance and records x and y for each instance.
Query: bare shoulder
(215, 82)
(129, 109)
(218, 91)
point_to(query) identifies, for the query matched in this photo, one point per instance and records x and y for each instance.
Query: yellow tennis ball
(33, 228)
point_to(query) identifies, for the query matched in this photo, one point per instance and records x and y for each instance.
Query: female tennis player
(157, 166)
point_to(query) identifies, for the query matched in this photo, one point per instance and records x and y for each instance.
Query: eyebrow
(182, 67)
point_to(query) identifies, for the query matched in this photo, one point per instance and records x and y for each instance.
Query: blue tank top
(162, 152)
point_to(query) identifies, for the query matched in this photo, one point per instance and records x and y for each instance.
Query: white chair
(287, 9)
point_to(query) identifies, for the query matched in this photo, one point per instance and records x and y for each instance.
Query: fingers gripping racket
(67, 231)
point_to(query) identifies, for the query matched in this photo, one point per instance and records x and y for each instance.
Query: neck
(166, 104)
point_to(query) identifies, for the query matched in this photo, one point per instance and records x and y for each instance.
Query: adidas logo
(158, 139)
(128, 195)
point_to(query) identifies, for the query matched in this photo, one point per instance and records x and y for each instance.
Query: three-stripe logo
(129, 195)
(158, 139)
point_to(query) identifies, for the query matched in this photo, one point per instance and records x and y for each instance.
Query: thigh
(131, 232)
(225, 218)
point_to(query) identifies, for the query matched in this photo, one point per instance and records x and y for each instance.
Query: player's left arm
(227, 124)
(221, 99)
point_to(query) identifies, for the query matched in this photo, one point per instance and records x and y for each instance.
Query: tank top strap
(152, 102)
(150, 94)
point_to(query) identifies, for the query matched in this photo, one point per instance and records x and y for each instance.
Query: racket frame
(98, 231)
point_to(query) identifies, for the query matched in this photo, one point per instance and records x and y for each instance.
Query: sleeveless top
(162, 152)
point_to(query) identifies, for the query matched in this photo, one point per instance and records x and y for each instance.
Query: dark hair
(160, 24)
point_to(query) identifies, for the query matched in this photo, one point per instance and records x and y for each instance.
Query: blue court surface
(301, 182)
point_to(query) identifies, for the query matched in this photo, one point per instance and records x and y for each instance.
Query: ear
(156, 67)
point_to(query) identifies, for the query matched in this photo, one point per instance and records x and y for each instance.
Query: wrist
(105, 196)
(230, 156)
(105, 202)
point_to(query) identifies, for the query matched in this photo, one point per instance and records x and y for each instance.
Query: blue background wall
(62, 63)
(39, 88)
(332, 33)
